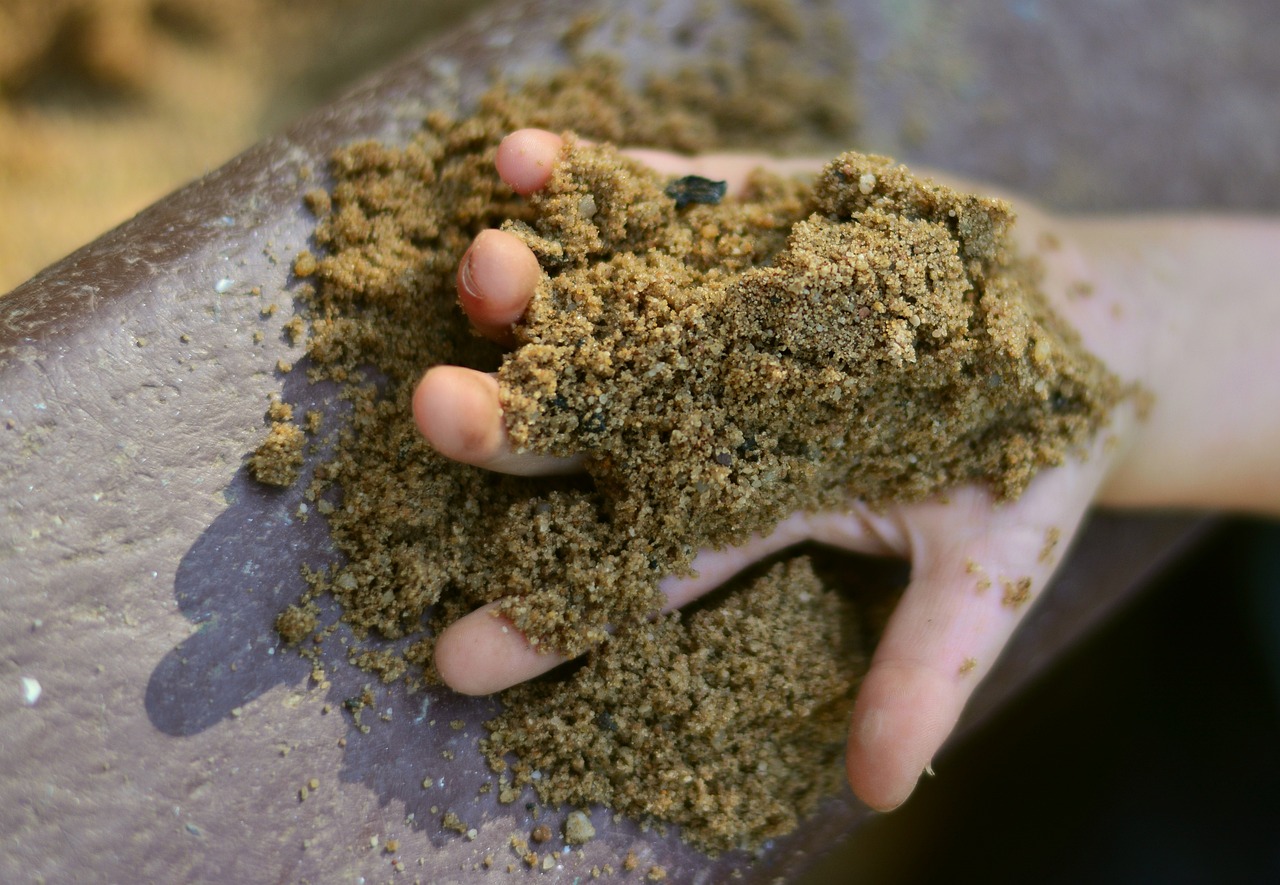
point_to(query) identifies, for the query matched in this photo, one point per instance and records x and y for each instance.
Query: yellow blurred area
(107, 105)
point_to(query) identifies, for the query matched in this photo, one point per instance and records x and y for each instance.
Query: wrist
(1193, 311)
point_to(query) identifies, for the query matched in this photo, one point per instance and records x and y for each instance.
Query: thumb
(974, 568)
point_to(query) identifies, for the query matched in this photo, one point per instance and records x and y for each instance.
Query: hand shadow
(233, 582)
(242, 571)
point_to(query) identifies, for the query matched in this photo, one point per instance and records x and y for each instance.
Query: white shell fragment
(30, 691)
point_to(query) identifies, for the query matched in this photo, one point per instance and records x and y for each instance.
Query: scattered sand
(278, 458)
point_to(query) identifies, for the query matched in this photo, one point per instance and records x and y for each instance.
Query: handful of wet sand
(871, 337)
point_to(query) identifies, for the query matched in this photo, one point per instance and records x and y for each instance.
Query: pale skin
(1188, 307)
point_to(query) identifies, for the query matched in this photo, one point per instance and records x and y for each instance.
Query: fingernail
(466, 281)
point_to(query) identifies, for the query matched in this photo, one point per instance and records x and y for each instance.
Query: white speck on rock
(31, 691)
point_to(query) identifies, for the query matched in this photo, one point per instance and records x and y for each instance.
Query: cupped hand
(976, 564)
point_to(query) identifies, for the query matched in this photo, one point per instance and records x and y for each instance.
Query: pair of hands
(965, 551)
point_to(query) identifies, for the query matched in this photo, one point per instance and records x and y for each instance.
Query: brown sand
(278, 458)
(722, 366)
(725, 722)
(730, 721)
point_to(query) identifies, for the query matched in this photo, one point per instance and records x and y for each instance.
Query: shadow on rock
(232, 583)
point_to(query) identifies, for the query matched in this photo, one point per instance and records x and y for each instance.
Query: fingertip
(482, 653)
(526, 158)
(458, 411)
(496, 278)
(458, 664)
(900, 720)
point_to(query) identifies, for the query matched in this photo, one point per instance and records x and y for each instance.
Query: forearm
(1201, 298)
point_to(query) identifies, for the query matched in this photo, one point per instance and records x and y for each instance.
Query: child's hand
(976, 566)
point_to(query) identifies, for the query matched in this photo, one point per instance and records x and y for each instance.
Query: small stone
(305, 264)
(31, 690)
(578, 829)
(696, 189)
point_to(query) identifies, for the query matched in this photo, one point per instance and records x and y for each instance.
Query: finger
(482, 653)
(858, 530)
(912, 695)
(975, 568)
(496, 278)
(459, 413)
(527, 157)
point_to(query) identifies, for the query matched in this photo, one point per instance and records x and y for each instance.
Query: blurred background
(107, 105)
(1150, 754)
